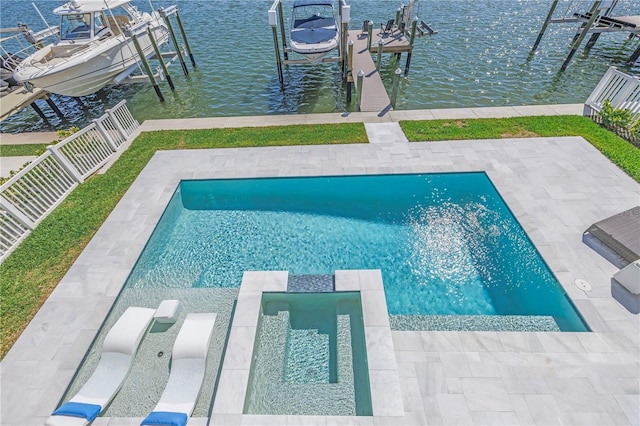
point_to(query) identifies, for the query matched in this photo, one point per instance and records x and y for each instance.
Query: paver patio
(556, 187)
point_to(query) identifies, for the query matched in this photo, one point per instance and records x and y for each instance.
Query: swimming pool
(446, 243)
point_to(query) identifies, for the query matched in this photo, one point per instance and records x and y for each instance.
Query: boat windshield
(75, 27)
(313, 16)
(313, 10)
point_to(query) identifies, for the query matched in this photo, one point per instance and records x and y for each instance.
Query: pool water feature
(446, 243)
(309, 356)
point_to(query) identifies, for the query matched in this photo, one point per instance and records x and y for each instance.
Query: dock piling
(165, 14)
(273, 23)
(156, 49)
(544, 26)
(349, 73)
(345, 18)
(396, 84)
(583, 34)
(350, 57)
(278, 60)
(369, 34)
(38, 111)
(379, 54)
(414, 26)
(283, 34)
(184, 38)
(53, 106)
(147, 67)
(359, 86)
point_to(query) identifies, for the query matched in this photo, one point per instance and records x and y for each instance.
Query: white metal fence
(622, 90)
(34, 192)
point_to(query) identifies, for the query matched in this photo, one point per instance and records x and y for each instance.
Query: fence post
(65, 164)
(396, 83)
(121, 130)
(104, 134)
(20, 217)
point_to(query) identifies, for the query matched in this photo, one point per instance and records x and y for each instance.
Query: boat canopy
(301, 3)
(87, 6)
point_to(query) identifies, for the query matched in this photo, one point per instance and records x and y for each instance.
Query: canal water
(480, 57)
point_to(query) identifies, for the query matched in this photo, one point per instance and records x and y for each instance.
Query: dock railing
(622, 90)
(35, 191)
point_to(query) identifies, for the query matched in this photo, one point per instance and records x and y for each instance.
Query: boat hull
(91, 69)
(314, 53)
(314, 29)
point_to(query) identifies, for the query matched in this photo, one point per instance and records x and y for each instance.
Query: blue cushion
(79, 409)
(165, 418)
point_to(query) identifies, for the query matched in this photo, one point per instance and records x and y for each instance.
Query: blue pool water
(446, 243)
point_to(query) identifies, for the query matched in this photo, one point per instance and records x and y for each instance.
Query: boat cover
(313, 35)
(300, 3)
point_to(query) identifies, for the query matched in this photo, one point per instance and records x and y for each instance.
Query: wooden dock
(18, 99)
(374, 96)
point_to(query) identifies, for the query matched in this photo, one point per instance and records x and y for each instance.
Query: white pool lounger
(118, 351)
(188, 363)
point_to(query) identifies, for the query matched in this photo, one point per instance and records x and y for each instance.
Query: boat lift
(395, 40)
(163, 70)
(276, 21)
(596, 21)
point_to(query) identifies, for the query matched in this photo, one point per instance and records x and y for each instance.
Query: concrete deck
(363, 117)
(7, 164)
(28, 138)
(556, 187)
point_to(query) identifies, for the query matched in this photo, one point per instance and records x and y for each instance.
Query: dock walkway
(374, 95)
(18, 99)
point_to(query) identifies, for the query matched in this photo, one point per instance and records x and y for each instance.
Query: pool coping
(386, 395)
(556, 187)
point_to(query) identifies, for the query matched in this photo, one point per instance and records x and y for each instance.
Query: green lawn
(620, 152)
(22, 150)
(28, 276)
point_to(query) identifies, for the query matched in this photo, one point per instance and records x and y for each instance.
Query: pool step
(297, 379)
(307, 358)
(472, 323)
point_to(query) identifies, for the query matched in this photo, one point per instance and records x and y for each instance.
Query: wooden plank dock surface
(14, 101)
(374, 95)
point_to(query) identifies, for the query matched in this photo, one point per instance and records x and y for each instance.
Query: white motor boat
(314, 30)
(93, 48)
